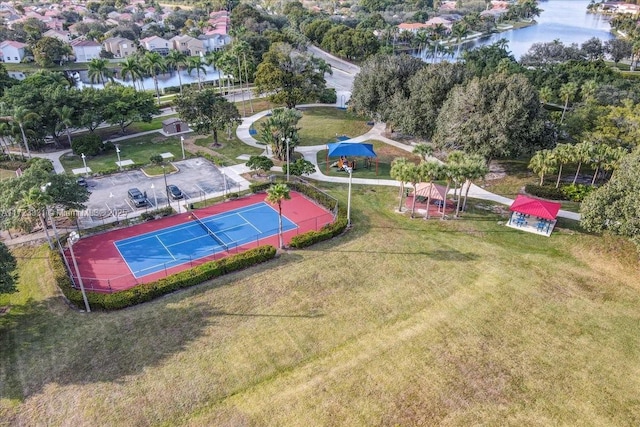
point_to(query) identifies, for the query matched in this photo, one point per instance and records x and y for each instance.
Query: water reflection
(564, 20)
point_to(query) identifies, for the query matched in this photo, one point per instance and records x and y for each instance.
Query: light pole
(182, 145)
(166, 189)
(84, 162)
(155, 198)
(224, 180)
(118, 153)
(287, 140)
(350, 170)
(73, 238)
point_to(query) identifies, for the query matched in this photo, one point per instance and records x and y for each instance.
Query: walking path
(376, 133)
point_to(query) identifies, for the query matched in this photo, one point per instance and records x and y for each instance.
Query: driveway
(197, 178)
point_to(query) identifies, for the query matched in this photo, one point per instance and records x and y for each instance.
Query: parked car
(82, 182)
(137, 198)
(174, 192)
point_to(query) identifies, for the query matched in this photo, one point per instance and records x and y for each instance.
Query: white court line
(250, 223)
(166, 248)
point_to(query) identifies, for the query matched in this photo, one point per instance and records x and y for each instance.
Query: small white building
(156, 44)
(85, 50)
(213, 41)
(12, 51)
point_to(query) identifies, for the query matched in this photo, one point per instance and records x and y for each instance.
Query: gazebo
(346, 149)
(533, 215)
(432, 191)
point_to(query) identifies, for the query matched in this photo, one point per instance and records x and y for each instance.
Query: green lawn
(397, 322)
(386, 154)
(6, 174)
(229, 149)
(138, 149)
(321, 125)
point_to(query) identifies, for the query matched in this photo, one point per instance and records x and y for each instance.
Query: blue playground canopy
(350, 149)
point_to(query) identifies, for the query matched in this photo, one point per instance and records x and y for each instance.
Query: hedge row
(573, 192)
(148, 291)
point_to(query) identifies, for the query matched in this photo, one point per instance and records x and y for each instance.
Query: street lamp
(84, 162)
(118, 153)
(224, 180)
(73, 238)
(164, 173)
(182, 144)
(350, 170)
(155, 198)
(287, 140)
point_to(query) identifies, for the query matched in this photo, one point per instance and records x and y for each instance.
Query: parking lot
(197, 178)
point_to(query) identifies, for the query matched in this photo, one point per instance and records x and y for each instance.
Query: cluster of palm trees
(600, 157)
(460, 170)
(152, 64)
(14, 125)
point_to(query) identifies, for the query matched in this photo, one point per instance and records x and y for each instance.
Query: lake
(565, 20)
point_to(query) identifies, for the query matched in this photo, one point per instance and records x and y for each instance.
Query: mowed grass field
(398, 322)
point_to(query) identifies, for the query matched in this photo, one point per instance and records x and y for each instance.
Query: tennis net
(209, 232)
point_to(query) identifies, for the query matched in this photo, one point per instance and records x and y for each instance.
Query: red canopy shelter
(535, 207)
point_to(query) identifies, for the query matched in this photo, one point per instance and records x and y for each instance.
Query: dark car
(174, 192)
(82, 182)
(137, 197)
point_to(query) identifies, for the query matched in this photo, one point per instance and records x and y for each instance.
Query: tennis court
(123, 258)
(199, 238)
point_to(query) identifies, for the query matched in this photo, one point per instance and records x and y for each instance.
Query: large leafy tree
(128, 106)
(428, 88)
(275, 195)
(206, 111)
(49, 51)
(493, 116)
(289, 77)
(615, 206)
(8, 274)
(381, 78)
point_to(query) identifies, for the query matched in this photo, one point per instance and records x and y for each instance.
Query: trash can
(191, 206)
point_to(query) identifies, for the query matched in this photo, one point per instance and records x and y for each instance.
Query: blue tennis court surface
(169, 247)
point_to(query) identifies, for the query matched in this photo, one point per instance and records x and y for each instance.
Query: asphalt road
(195, 177)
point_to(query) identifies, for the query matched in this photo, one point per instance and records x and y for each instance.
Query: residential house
(12, 51)
(413, 27)
(439, 21)
(119, 46)
(188, 45)
(213, 41)
(63, 36)
(85, 50)
(156, 44)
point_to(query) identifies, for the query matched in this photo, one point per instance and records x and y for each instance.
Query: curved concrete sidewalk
(377, 133)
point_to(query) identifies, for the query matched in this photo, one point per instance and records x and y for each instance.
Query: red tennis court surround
(103, 269)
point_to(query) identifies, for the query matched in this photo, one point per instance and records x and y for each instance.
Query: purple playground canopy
(350, 149)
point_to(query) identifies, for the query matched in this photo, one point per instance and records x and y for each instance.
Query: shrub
(328, 96)
(545, 191)
(148, 291)
(576, 192)
(166, 211)
(90, 145)
(156, 159)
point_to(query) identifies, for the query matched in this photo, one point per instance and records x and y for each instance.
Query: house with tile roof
(214, 41)
(12, 51)
(188, 45)
(85, 50)
(120, 47)
(156, 44)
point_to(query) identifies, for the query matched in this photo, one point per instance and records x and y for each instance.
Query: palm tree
(22, 116)
(131, 67)
(4, 132)
(447, 173)
(275, 195)
(413, 175)
(600, 155)
(579, 154)
(195, 63)
(431, 171)
(545, 94)
(36, 200)
(398, 172)
(99, 71)
(589, 89)
(542, 163)
(177, 60)
(567, 92)
(423, 150)
(212, 59)
(563, 154)
(476, 168)
(65, 114)
(154, 63)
